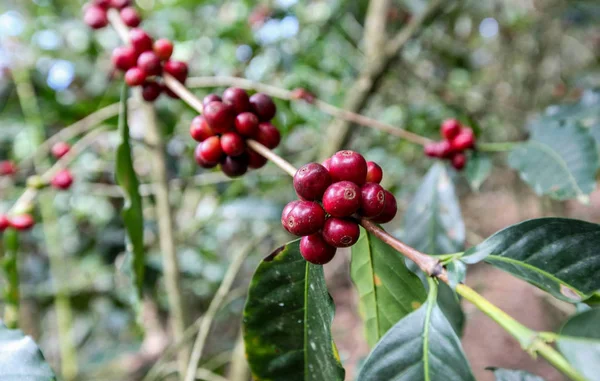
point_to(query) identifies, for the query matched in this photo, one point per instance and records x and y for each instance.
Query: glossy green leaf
(422, 346)
(559, 160)
(9, 264)
(514, 375)
(479, 167)
(20, 358)
(132, 210)
(558, 255)
(287, 321)
(579, 342)
(388, 290)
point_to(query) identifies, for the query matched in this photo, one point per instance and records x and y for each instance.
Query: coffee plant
(411, 282)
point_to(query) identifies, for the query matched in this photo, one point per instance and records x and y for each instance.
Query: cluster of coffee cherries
(333, 195)
(95, 13)
(224, 126)
(63, 179)
(456, 139)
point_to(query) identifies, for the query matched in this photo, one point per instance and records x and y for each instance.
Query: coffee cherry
(311, 180)
(210, 150)
(119, 3)
(235, 166)
(464, 140)
(4, 222)
(238, 98)
(263, 106)
(124, 57)
(372, 200)
(303, 94)
(232, 144)
(389, 210)
(432, 149)
(255, 160)
(211, 98)
(200, 130)
(374, 172)
(177, 69)
(135, 76)
(62, 179)
(327, 163)
(348, 165)
(450, 128)
(149, 63)
(104, 4)
(140, 40)
(441, 149)
(200, 160)
(459, 161)
(303, 218)
(342, 199)
(341, 232)
(95, 17)
(246, 124)
(268, 135)
(220, 116)
(130, 17)
(21, 222)
(163, 49)
(7, 168)
(151, 90)
(315, 250)
(60, 149)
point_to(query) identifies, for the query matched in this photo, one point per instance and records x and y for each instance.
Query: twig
(278, 160)
(238, 368)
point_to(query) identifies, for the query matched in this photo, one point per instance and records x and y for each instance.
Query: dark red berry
(441, 149)
(200, 130)
(303, 218)
(268, 135)
(210, 150)
(149, 63)
(119, 3)
(372, 200)
(315, 250)
(263, 106)
(95, 17)
(220, 116)
(4, 222)
(255, 160)
(311, 180)
(124, 57)
(246, 124)
(235, 166)
(211, 98)
(62, 179)
(348, 165)
(130, 17)
(327, 163)
(233, 144)
(464, 140)
(151, 90)
(389, 210)
(21, 222)
(340, 232)
(342, 199)
(7, 168)
(459, 161)
(238, 98)
(200, 160)
(104, 4)
(60, 149)
(177, 69)
(432, 149)
(135, 77)
(163, 49)
(450, 128)
(140, 40)
(374, 172)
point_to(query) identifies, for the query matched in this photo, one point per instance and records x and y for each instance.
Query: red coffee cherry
(311, 181)
(443, 149)
(95, 17)
(268, 135)
(63, 179)
(238, 98)
(135, 76)
(232, 144)
(432, 149)
(348, 165)
(60, 149)
(177, 69)
(459, 161)
(124, 57)
(263, 106)
(130, 17)
(163, 48)
(21, 222)
(389, 210)
(372, 200)
(151, 90)
(450, 128)
(149, 63)
(303, 94)
(200, 130)
(211, 98)
(374, 172)
(246, 124)
(341, 232)
(315, 250)
(327, 163)
(464, 140)
(255, 160)
(220, 116)
(200, 160)
(4, 222)
(119, 3)
(140, 40)
(104, 4)
(7, 168)
(210, 150)
(342, 199)
(235, 166)
(303, 218)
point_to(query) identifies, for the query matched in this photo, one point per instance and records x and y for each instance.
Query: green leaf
(422, 346)
(9, 263)
(287, 321)
(558, 255)
(20, 358)
(479, 167)
(559, 160)
(579, 342)
(132, 210)
(514, 375)
(388, 289)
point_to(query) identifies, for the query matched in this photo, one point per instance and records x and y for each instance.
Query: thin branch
(278, 160)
